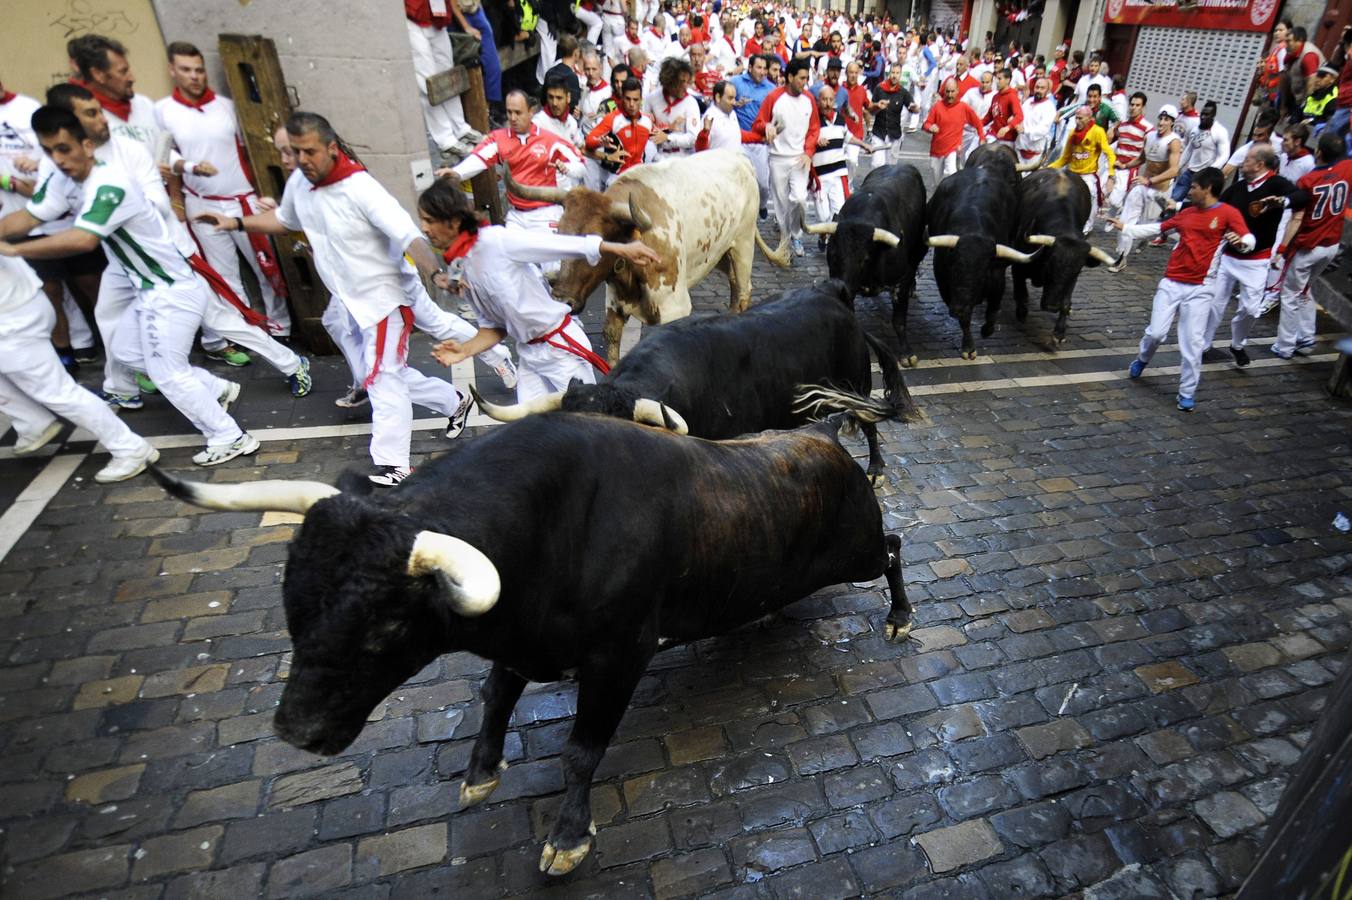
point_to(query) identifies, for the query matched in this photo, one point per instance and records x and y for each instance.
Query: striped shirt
(1131, 135)
(829, 158)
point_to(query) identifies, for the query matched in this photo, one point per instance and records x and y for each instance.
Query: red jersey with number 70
(1327, 188)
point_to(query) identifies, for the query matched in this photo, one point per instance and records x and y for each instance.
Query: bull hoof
(910, 362)
(554, 861)
(876, 479)
(969, 354)
(893, 632)
(471, 794)
(1057, 342)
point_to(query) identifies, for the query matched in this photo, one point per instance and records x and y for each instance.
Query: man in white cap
(1156, 167)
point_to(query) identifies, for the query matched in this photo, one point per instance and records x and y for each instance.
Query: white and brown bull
(698, 212)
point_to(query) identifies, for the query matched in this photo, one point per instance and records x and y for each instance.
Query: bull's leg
(739, 258)
(968, 345)
(899, 620)
(1059, 330)
(875, 456)
(1020, 293)
(603, 694)
(995, 291)
(501, 690)
(901, 304)
(614, 331)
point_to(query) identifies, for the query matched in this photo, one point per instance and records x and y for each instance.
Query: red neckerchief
(1192, 113)
(656, 32)
(830, 121)
(1303, 152)
(460, 247)
(119, 108)
(6, 97)
(207, 96)
(1078, 136)
(888, 87)
(670, 102)
(562, 118)
(1259, 181)
(343, 166)
(600, 86)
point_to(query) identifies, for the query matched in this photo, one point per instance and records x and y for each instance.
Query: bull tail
(843, 407)
(780, 256)
(896, 393)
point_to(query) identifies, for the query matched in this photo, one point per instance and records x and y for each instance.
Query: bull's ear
(575, 381)
(355, 483)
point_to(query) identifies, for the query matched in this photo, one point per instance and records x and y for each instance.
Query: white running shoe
(389, 476)
(506, 370)
(123, 467)
(214, 456)
(229, 394)
(41, 440)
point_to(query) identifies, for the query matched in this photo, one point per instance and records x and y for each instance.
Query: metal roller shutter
(1218, 65)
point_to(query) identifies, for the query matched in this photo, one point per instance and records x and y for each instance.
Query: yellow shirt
(1083, 155)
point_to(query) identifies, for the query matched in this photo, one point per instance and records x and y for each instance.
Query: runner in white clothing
(355, 229)
(788, 120)
(499, 271)
(171, 298)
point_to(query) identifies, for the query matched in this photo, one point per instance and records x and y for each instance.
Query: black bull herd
(700, 486)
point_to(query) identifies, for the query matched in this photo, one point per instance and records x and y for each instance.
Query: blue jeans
(1339, 124)
(488, 56)
(1181, 185)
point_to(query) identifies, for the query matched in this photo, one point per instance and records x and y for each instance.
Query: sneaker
(763, 214)
(230, 355)
(475, 138)
(145, 384)
(1186, 403)
(1157, 241)
(122, 401)
(1268, 305)
(456, 423)
(821, 242)
(300, 381)
(213, 456)
(68, 361)
(355, 396)
(229, 394)
(86, 354)
(123, 467)
(1107, 227)
(506, 370)
(1241, 356)
(797, 245)
(1136, 368)
(1119, 265)
(389, 476)
(32, 445)
(1279, 354)
(1304, 344)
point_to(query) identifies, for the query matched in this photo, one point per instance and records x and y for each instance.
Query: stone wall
(349, 62)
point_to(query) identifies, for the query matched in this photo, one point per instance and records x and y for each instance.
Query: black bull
(561, 544)
(723, 376)
(971, 224)
(1053, 207)
(877, 241)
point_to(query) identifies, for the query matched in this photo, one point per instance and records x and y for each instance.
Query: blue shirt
(756, 93)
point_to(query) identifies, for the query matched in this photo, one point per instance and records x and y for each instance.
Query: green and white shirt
(134, 235)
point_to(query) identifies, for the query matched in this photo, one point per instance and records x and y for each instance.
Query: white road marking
(29, 505)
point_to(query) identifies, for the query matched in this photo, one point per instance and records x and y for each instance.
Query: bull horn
(532, 191)
(943, 240)
(650, 412)
(1030, 166)
(1009, 253)
(256, 496)
(1045, 240)
(630, 211)
(883, 236)
(469, 578)
(514, 411)
(827, 228)
(1103, 256)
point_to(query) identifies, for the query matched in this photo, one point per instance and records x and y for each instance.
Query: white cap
(1169, 110)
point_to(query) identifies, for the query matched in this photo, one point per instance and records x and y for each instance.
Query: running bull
(971, 224)
(702, 538)
(1053, 207)
(719, 377)
(877, 241)
(697, 212)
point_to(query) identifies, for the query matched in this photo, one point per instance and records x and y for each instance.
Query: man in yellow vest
(1087, 143)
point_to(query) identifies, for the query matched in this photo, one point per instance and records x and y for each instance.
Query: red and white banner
(1226, 15)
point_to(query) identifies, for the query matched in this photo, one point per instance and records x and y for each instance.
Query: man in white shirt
(357, 232)
(1092, 76)
(721, 128)
(1206, 145)
(673, 109)
(979, 99)
(208, 157)
(1039, 116)
(788, 121)
(161, 323)
(106, 73)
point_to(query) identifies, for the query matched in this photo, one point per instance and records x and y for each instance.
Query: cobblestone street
(1127, 617)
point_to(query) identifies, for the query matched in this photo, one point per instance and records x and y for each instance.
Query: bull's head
(369, 598)
(966, 264)
(606, 399)
(855, 254)
(1062, 258)
(587, 212)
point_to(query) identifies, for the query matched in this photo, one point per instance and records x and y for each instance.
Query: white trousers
(35, 388)
(943, 166)
(760, 164)
(593, 23)
(543, 218)
(614, 27)
(1248, 275)
(788, 185)
(222, 250)
(394, 391)
(888, 152)
(829, 196)
(226, 322)
(969, 143)
(1092, 182)
(346, 334)
(81, 335)
(1191, 303)
(155, 336)
(1296, 327)
(545, 369)
(116, 296)
(1142, 204)
(432, 54)
(440, 324)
